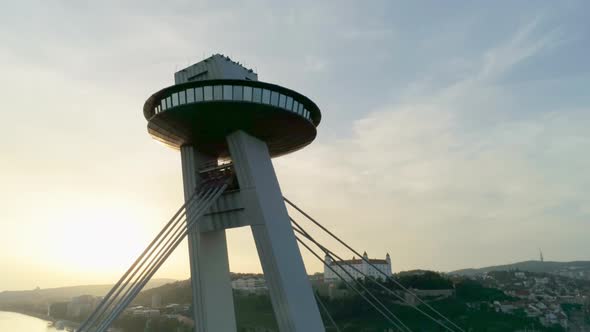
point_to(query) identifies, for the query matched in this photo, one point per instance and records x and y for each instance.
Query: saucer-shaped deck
(203, 113)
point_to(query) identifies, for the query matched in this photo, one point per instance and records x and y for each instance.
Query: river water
(13, 322)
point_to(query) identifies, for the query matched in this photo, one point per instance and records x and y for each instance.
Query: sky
(453, 135)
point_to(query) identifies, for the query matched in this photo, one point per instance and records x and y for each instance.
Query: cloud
(435, 174)
(436, 142)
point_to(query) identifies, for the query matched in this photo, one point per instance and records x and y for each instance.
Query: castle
(356, 268)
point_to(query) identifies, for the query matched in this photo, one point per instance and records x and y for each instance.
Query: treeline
(351, 311)
(131, 323)
(175, 292)
(427, 280)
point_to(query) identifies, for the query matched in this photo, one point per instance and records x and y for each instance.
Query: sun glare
(103, 242)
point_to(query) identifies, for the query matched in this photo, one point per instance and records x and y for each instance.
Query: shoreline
(31, 314)
(45, 318)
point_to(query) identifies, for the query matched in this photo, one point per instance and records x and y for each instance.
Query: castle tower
(328, 260)
(388, 260)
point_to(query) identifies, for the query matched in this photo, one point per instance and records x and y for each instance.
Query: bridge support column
(213, 305)
(290, 289)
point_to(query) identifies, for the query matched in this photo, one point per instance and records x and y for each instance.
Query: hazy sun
(98, 242)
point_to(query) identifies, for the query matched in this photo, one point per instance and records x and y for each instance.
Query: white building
(148, 313)
(356, 268)
(250, 284)
(81, 305)
(156, 301)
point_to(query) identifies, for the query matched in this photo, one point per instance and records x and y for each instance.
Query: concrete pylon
(264, 210)
(290, 290)
(217, 110)
(213, 305)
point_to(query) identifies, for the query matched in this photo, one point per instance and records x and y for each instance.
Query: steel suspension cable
(157, 250)
(143, 279)
(139, 263)
(133, 266)
(142, 275)
(154, 268)
(349, 285)
(219, 189)
(145, 275)
(357, 282)
(331, 253)
(323, 306)
(371, 264)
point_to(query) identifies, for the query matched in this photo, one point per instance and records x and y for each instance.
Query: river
(13, 322)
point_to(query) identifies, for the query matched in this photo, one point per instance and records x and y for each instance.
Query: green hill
(38, 296)
(533, 266)
(468, 307)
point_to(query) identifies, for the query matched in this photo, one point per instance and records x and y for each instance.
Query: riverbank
(32, 314)
(66, 323)
(11, 321)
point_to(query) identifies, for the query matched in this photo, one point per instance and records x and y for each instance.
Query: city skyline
(449, 141)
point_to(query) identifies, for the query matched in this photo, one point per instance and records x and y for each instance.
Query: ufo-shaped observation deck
(203, 113)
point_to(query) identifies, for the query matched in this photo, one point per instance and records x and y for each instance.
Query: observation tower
(222, 119)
